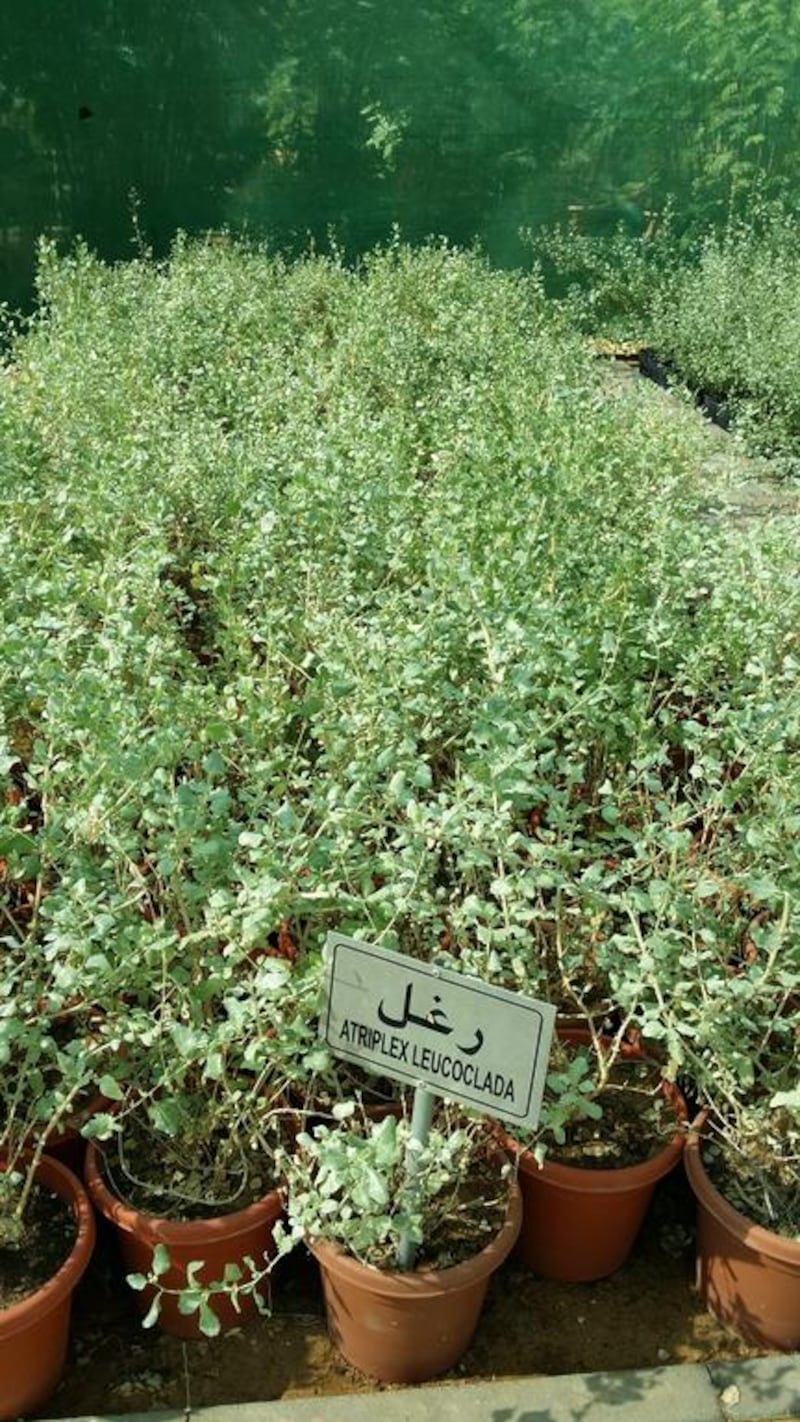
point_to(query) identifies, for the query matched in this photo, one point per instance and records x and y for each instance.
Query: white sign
(454, 1035)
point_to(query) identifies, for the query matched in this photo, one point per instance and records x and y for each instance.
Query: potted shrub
(46, 1223)
(611, 1128)
(612, 1122)
(348, 1198)
(187, 1171)
(735, 1020)
(743, 1163)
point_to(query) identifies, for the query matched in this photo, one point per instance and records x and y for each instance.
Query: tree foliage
(461, 117)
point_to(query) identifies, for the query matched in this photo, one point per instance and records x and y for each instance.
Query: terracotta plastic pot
(34, 1333)
(223, 1240)
(581, 1224)
(408, 1327)
(748, 1276)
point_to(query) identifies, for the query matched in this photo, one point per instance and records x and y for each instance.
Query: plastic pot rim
(776, 1247)
(424, 1283)
(57, 1177)
(157, 1229)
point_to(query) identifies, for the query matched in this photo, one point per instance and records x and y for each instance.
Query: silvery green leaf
(166, 1116)
(161, 1260)
(108, 1086)
(193, 1269)
(99, 1128)
(787, 1098)
(153, 1313)
(377, 1187)
(210, 1325)
(318, 1060)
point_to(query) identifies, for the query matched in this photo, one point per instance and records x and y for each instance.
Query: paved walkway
(740, 488)
(757, 1390)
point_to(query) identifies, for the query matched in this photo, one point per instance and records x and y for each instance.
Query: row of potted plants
(197, 1176)
(346, 600)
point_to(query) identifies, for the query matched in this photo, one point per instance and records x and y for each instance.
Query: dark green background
(459, 117)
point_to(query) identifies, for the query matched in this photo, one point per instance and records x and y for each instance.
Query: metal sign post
(444, 1033)
(421, 1117)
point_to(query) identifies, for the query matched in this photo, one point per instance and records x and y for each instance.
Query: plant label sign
(453, 1035)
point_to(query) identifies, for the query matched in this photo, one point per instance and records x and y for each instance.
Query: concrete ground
(755, 1390)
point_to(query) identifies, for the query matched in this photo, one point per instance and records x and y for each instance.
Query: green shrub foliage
(346, 598)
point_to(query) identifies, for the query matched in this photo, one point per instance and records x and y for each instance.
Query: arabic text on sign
(433, 1021)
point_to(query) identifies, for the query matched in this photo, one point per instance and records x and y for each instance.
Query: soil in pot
(177, 1213)
(748, 1276)
(765, 1191)
(406, 1327)
(48, 1239)
(36, 1292)
(376, 1096)
(637, 1119)
(186, 1179)
(584, 1206)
